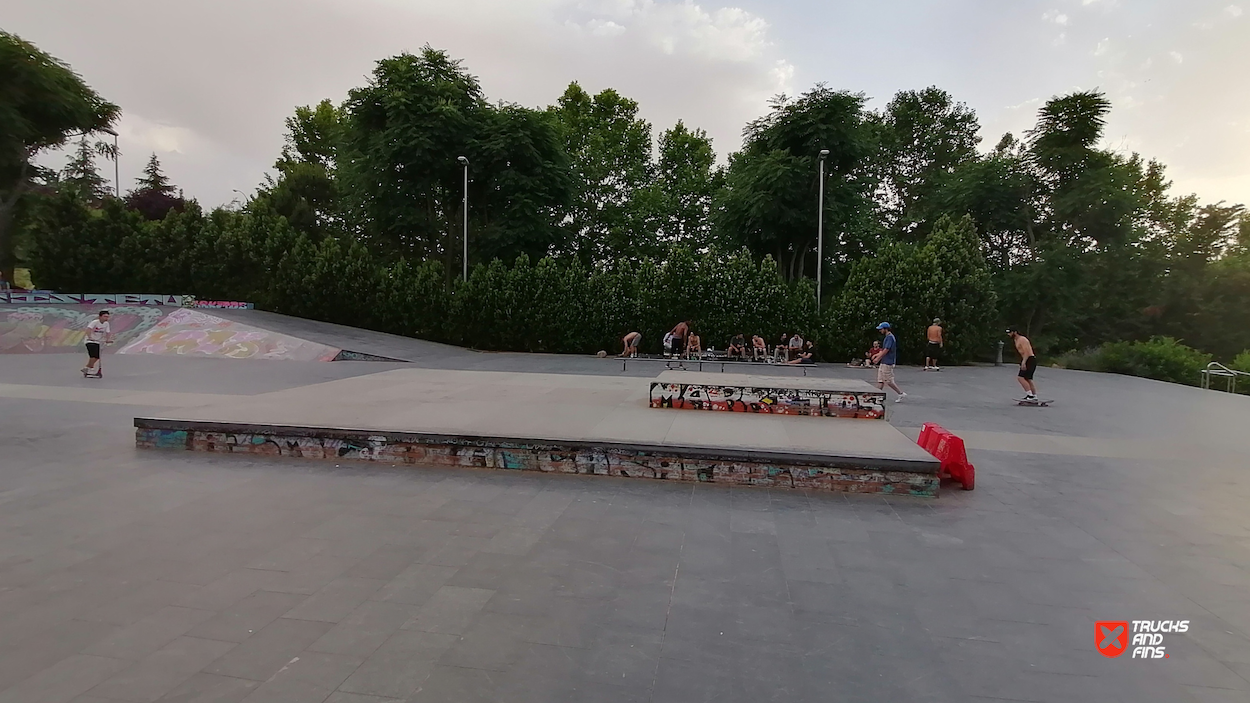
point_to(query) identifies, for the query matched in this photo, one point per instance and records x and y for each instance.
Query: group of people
(884, 356)
(681, 341)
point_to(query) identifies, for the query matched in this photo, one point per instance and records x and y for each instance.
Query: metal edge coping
(872, 463)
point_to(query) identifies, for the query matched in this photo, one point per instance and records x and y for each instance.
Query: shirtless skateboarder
(934, 333)
(1028, 364)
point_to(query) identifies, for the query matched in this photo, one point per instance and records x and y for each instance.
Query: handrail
(1217, 369)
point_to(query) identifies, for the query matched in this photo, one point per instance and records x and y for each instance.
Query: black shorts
(935, 349)
(1030, 367)
(93, 350)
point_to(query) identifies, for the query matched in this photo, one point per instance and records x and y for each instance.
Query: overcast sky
(206, 84)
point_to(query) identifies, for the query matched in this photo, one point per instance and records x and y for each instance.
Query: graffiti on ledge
(770, 401)
(619, 462)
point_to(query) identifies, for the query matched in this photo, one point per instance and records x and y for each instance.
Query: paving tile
(450, 610)
(211, 688)
(270, 649)
(312, 676)
(64, 680)
(150, 634)
(163, 670)
(336, 600)
(243, 619)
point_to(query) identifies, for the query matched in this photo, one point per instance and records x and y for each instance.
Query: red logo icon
(1111, 638)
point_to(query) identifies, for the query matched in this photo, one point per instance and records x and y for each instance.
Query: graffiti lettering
(510, 455)
(772, 401)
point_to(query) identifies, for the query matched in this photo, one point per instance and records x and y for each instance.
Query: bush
(1242, 361)
(1161, 358)
(908, 286)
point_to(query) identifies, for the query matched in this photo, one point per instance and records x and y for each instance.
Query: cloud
(1177, 56)
(213, 95)
(1056, 17)
(1233, 11)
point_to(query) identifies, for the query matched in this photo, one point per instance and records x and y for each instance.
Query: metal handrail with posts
(1218, 370)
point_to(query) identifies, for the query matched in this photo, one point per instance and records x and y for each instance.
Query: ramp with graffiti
(189, 332)
(42, 329)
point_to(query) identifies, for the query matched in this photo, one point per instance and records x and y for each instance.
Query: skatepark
(248, 570)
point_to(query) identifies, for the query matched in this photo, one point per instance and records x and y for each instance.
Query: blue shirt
(890, 345)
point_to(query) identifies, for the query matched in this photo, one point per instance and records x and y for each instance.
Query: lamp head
(824, 153)
(463, 161)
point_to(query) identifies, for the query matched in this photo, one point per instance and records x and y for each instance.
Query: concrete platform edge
(696, 464)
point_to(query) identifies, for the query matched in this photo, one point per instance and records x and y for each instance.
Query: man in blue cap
(885, 360)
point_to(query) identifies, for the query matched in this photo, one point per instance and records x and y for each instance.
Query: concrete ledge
(767, 395)
(673, 463)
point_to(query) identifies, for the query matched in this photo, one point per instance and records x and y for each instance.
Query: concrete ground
(144, 576)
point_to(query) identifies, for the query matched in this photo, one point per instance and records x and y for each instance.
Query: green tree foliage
(154, 196)
(401, 185)
(306, 191)
(925, 137)
(908, 285)
(81, 175)
(611, 215)
(772, 184)
(43, 104)
(685, 185)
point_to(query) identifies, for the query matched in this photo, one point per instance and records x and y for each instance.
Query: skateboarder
(631, 341)
(885, 360)
(936, 343)
(98, 333)
(1028, 364)
(680, 332)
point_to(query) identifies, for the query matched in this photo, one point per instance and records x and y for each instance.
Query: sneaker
(935, 368)
(900, 397)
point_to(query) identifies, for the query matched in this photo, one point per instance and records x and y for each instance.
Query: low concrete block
(729, 467)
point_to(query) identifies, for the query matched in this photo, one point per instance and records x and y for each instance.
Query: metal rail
(1218, 370)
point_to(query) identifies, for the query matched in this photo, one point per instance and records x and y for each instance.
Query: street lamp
(465, 162)
(117, 181)
(820, 228)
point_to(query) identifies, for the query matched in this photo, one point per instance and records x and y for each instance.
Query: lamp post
(465, 162)
(820, 228)
(117, 181)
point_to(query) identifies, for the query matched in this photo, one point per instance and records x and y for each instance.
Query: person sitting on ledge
(876, 349)
(737, 347)
(694, 346)
(806, 355)
(759, 347)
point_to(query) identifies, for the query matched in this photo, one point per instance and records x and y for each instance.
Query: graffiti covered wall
(843, 476)
(51, 328)
(193, 333)
(768, 401)
(38, 297)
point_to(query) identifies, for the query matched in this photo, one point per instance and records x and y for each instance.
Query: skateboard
(1039, 403)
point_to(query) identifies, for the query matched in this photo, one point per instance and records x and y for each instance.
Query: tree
(154, 197)
(305, 191)
(43, 103)
(769, 202)
(609, 148)
(81, 176)
(400, 183)
(686, 183)
(908, 285)
(925, 137)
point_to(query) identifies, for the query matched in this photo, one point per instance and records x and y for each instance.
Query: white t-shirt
(97, 331)
(796, 342)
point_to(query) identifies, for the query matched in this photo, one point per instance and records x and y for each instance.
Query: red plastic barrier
(950, 451)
